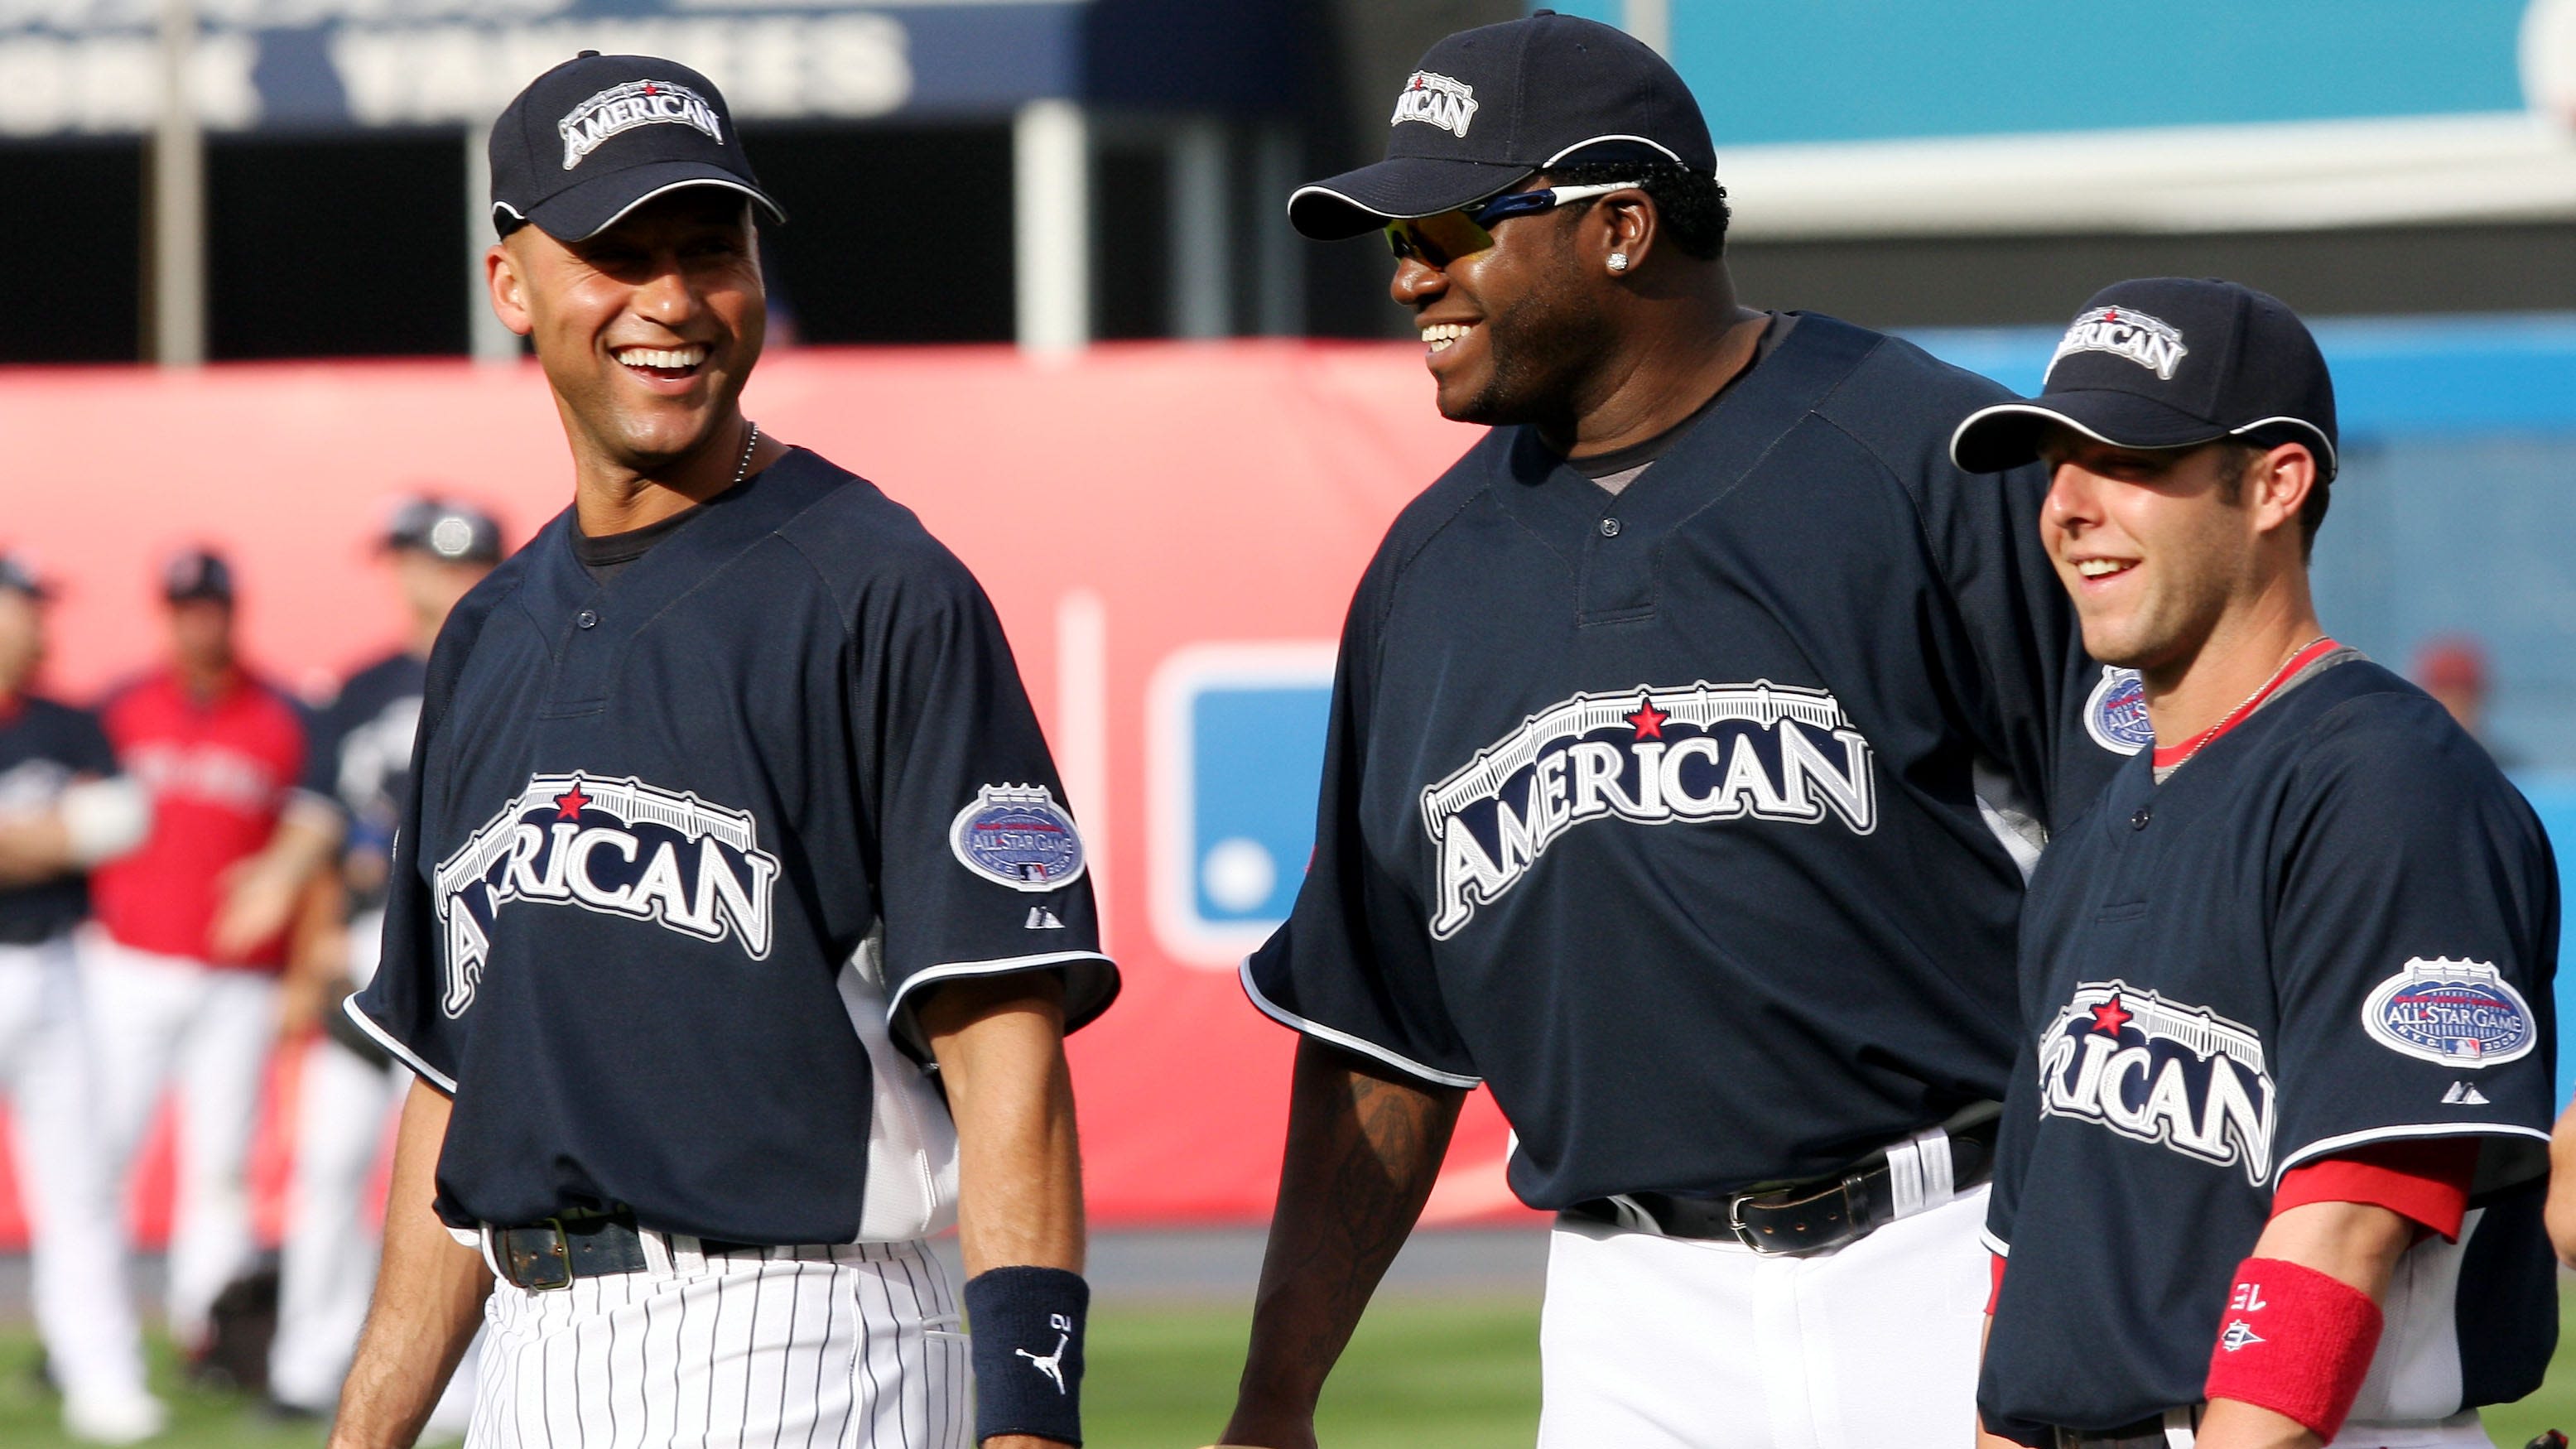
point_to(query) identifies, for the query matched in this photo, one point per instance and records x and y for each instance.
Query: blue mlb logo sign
(1235, 749)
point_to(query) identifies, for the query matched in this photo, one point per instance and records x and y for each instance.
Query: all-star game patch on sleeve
(2415, 945)
(1352, 965)
(983, 870)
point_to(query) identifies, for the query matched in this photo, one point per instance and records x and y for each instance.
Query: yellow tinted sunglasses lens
(1437, 240)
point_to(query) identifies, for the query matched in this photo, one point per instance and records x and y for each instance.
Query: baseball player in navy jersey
(736, 914)
(63, 808)
(2273, 1162)
(350, 1090)
(1690, 738)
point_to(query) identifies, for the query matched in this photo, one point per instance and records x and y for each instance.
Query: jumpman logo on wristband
(1052, 1365)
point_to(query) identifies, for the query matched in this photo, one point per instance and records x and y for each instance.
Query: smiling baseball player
(1689, 737)
(731, 824)
(2273, 1163)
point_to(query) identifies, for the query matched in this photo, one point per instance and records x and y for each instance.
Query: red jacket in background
(219, 771)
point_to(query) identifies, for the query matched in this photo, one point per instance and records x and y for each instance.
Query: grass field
(1451, 1373)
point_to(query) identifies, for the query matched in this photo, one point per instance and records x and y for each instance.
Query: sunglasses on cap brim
(1443, 237)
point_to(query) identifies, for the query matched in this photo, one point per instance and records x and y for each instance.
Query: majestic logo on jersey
(2460, 1013)
(617, 847)
(1436, 100)
(2144, 340)
(622, 108)
(2162, 1072)
(2116, 714)
(1650, 757)
(1019, 836)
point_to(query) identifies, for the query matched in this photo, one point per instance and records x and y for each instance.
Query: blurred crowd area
(192, 878)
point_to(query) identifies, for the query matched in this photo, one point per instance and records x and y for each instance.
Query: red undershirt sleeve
(2425, 1181)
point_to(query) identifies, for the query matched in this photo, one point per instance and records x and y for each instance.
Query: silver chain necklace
(742, 470)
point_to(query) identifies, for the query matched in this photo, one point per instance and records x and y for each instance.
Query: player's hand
(1024, 1441)
(1249, 1432)
(259, 898)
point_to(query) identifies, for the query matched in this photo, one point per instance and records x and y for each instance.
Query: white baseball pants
(83, 1310)
(854, 1347)
(164, 1022)
(1649, 1342)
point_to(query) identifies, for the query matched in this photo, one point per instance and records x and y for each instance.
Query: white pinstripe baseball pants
(854, 1347)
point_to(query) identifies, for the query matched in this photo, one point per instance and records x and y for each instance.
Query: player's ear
(507, 281)
(1631, 228)
(2277, 484)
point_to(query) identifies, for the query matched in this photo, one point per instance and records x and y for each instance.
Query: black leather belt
(1805, 1217)
(551, 1254)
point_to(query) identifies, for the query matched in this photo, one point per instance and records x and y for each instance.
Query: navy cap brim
(1356, 203)
(583, 211)
(2007, 435)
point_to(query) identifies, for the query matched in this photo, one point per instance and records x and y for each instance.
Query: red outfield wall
(1171, 533)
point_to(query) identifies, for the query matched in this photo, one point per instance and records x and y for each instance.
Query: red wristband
(1996, 1289)
(2295, 1341)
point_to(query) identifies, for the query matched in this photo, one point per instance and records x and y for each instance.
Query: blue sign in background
(1849, 70)
(1256, 754)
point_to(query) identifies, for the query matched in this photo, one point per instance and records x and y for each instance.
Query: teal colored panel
(1834, 70)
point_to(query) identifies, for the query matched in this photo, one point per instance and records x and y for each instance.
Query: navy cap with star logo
(2169, 362)
(599, 135)
(1488, 108)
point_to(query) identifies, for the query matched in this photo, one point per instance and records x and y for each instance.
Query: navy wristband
(1027, 1330)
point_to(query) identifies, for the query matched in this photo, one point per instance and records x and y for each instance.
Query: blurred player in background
(2453, 669)
(182, 976)
(351, 1089)
(63, 809)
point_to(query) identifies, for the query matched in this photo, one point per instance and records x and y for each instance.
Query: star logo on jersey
(2179, 1076)
(2108, 1018)
(1699, 754)
(611, 847)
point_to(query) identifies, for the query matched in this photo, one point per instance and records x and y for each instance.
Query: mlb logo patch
(1235, 751)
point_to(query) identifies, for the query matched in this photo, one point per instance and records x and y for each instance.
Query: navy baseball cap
(444, 529)
(2169, 362)
(197, 573)
(600, 135)
(19, 575)
(1490, 107)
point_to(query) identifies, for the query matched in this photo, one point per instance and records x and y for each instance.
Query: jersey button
(2139, 820)
(587, 619)
(1609, 528)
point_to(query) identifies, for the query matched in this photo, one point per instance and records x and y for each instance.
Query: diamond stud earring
(1618, 261)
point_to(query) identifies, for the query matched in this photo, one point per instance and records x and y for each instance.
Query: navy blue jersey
(45, 746)
(1661, 813)
(2336, 925)
(360, 764)
(683, 849)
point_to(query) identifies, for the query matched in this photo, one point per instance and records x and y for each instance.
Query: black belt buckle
(526, 1264)
(1838, 1226)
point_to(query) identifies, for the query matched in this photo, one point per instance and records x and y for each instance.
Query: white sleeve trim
(385, 1039)
(2328, 1146)
(998, 966)
(1994, 1245)
(1344, 1039)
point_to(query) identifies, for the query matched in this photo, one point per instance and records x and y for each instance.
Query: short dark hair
(2312, 512)
(1690, 203)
